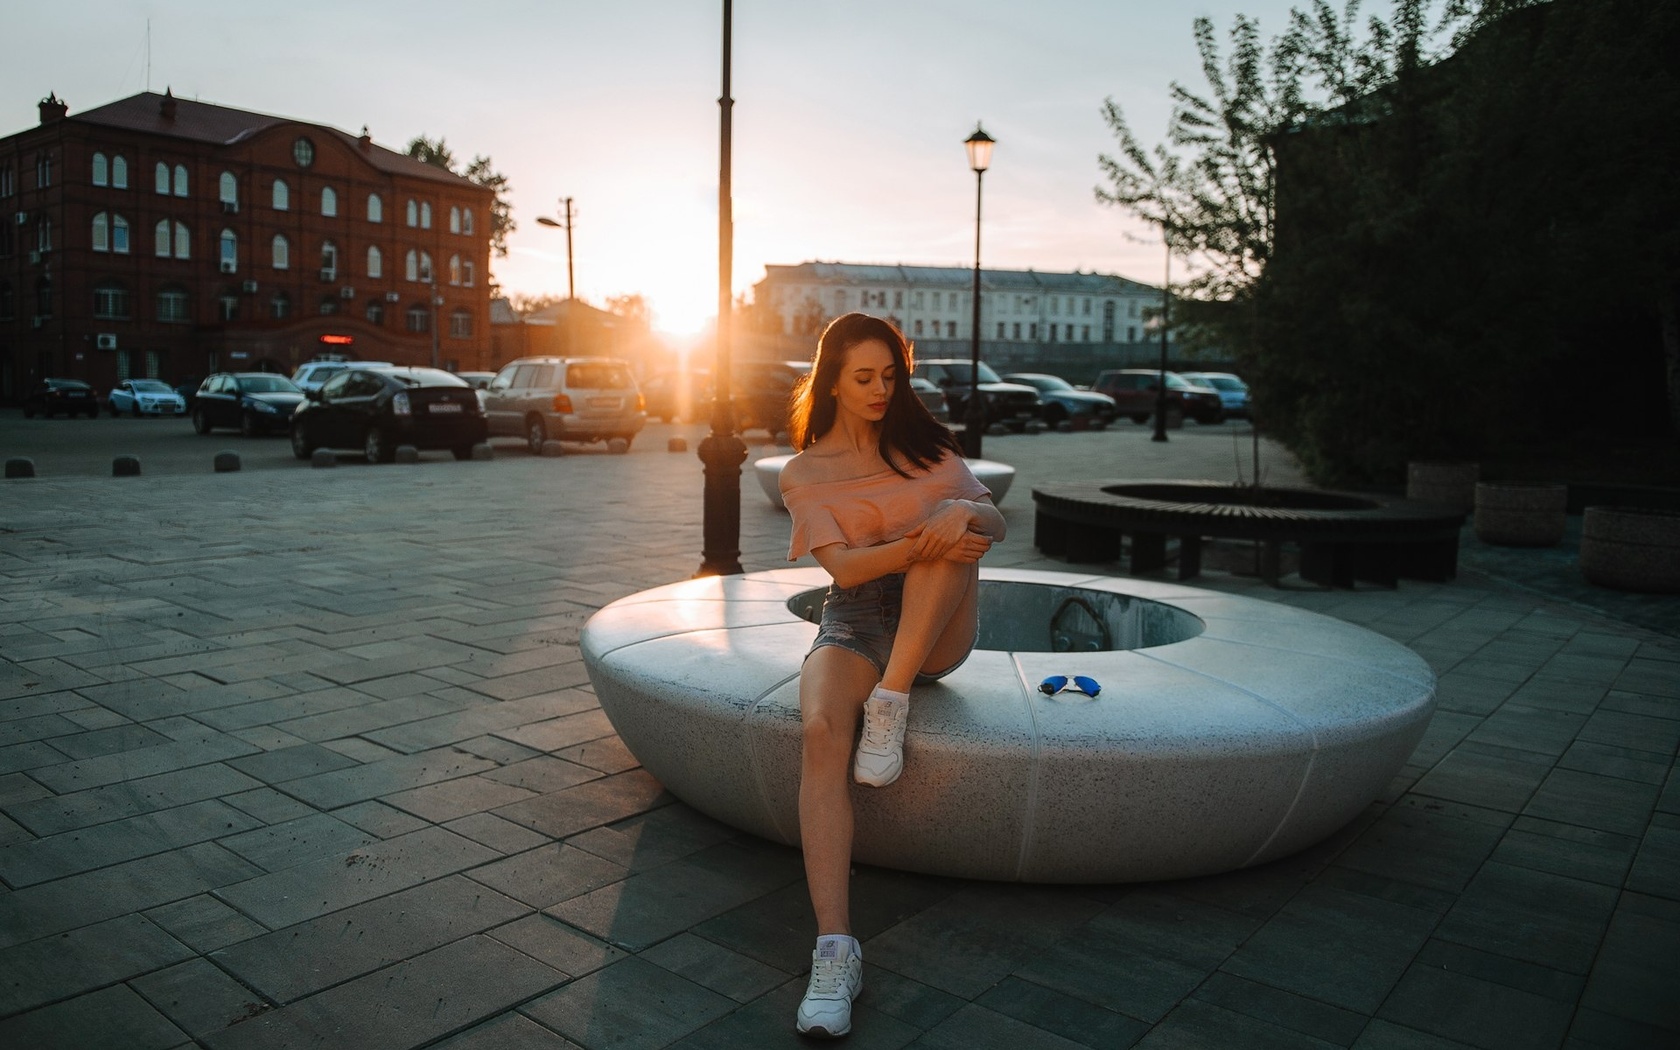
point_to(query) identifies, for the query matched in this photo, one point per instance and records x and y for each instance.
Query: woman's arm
(953, 529)
(851, 567)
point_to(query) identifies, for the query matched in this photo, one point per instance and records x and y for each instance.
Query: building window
(1132, 308)
(1108, 321)
(411, 265)
(44, 296)
(230, 251)
(101, 170)
(119, 172)
(180, 180)
(425, 266)
(101, 233)
(918, 326)
(1016, 333)
(329, 261)
(840, 301)
(460, 325)
(1131, 333)
(425, 215)
(467, 222)
(1052, 333)
(303, 152)
(1085, 307)
(417, 319)
(454, 219)
(282, 198)
(43, 171)
(160, 239)
(227, 189)
(282, 252)
(183, 241)
(413, 212)
(43, 234)
(375, 312)
(161, 181)
(110, 302)
(228, 305)
(455, 269)
(1000, 329)
(172, 306)
(1032, 331)
(280, 307)
(375, 208)
(329, 304)
(1085, 334)
(375, 262)
(125, 364)
(8, 181)
(119, 235)
(950, 329)
(329, 201)
(467, 272)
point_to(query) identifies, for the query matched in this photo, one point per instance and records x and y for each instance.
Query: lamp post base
(723, 455)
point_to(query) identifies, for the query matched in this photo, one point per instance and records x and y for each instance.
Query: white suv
(311, 374)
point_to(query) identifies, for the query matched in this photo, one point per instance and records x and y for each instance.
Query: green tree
(480, 173)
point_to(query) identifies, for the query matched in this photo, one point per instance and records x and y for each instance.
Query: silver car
(564, 399)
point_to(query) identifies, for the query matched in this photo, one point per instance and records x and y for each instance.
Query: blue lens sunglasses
(1057, 683)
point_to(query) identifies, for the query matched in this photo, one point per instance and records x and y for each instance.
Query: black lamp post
(974, 423)
(723, 451)
(1161, 394)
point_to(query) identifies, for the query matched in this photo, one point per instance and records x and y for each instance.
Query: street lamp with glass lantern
(974, 423)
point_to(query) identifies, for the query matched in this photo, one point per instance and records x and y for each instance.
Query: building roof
(956, 277)
(147, 112)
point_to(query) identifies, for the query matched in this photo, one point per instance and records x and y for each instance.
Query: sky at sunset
(849, 116)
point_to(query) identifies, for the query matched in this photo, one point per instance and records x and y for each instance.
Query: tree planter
(1518, 514)
(1631, 549)
(1448, 484)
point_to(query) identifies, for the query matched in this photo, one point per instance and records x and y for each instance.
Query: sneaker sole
(817, 1031)
(867, 782)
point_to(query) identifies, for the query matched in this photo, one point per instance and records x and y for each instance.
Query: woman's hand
(948, 533)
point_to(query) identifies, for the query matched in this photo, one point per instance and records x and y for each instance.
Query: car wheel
(248, 424)
(377, 447)
(201, 422)
(1054, 414)
(302, 447)
(462, 451)
(536, 434)
(1140, 419)
(627, 439)
(136, 410)
(112, 406)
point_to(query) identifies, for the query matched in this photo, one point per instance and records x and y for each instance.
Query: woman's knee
(824, 733)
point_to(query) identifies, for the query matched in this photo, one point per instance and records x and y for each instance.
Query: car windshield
(1045, 383)
(423, 376)
(1231, 383)
(150, 386)
(1178, 382)
(959, 372)
(268, 385)
(597, 376)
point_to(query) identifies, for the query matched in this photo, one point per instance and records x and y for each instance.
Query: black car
(70, 396)
(1060, 400)
(1136, 390)
(377, 409)
(1011, 404)
(764, 393)
(255, 402)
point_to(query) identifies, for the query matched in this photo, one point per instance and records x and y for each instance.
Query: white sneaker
(826, 1011)
(880, 754)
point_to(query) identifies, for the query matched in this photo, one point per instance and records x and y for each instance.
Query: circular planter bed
(1521, 514)
(1228, 732)
(1631, 549)
(997, 477)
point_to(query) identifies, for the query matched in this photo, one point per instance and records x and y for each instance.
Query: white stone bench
(1229, 731)
(997, 477)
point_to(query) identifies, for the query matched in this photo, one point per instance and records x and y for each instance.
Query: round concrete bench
(997, 477)
(1229, 731)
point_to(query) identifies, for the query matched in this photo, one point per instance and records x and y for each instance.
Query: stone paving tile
(1476, 1011)
(281, 708)
(290, 763)
(478, 719)
(90, 1021)
(648, 840)
(53, 968)
(364, 938)
(375, 716)
(439, 803)
(715, 967)
(328, 884)
(1567, 850)
(589, 805)
(380, 820)
(607, 754)
(629, 1005)
(547, 875)
(88, 848)
(1592, 801)
(206, 748)
(269, 805)
(767, 1023)
(1432, 843)
(204, 923)
(372, 779)
(503, 836)
(291, 842)
(1048, 1010)
(555, 944)
(55, 814)
(1633, 977)
(198, 997)
(407, 1004)
(1486, 775)
(509, 1031)
(1311, 1018)
(1532, 915)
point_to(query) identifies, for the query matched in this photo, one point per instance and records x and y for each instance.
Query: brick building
(157, 236)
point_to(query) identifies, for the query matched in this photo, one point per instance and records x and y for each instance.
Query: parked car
(311, 374)
(1060, 400)
(1134, 391)
(764, 393)
(678, 396)
(145, 397)
(564, 398)
(932, 397)
(51, 396)
(477, 380)
(1232, 391)
(255, 402)
(377, 409)
(1011, 404)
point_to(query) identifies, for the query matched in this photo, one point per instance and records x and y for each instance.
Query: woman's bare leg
(832, 688)
(936, 623)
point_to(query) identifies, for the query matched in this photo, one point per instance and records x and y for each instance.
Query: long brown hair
(908, 430)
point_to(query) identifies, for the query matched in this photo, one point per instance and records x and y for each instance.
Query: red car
(1136, 390)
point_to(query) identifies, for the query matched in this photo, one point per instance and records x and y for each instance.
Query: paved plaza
(310, 759)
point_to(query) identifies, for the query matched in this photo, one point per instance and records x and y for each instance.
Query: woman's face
(866, 381)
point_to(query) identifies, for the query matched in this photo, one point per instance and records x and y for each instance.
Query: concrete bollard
(407, 454)
(618, 446)
(125, 467)
(677, 444)
(20, 467)
(323, 457)
(552, 447)
(227, 461)
(1631, 549)
(483, 452)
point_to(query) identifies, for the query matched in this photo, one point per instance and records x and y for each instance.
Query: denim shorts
(864, 620)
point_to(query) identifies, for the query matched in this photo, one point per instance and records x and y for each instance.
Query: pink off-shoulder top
(876, 508)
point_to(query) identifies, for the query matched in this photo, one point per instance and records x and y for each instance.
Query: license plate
(76, 393)
(605, 402)
(445, 407)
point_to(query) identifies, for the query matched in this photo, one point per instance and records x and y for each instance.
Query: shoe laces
(878, 726)
(828, 978)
